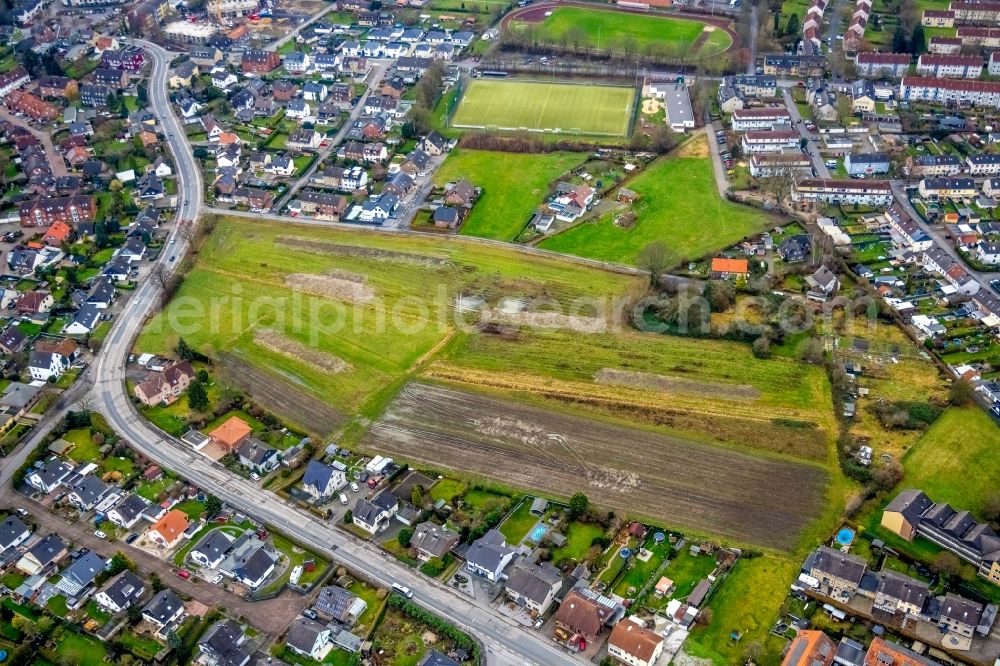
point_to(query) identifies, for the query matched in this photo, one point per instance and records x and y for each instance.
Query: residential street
(812, 150)
(56, 161)
(271, 616)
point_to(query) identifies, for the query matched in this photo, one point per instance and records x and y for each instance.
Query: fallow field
(697, 486)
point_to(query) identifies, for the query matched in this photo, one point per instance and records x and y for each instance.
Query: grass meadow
(608, 30)
(679, 204)
(511, 193)
(578, 108)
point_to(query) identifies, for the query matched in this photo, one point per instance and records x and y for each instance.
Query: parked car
(354, 487)
(403, 590)
(100, 534)
(255, 476)
(184, 573)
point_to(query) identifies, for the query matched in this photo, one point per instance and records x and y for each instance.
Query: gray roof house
(50, 549)
(88, 492)
(13, 532)
(163, 610)
(839, 573)
(432, 540)
(336, 603)
(51, 476)
(223, 645)
(489, 555)
(77, 576)
(533, 586)
(435, 658)
(255, 570)
(127, 512)
(120, 592)
(212, 549)
(374, 515)
(322, 481)
(307, 638)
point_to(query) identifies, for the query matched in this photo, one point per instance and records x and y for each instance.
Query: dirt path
(271, 616)
(56, 162)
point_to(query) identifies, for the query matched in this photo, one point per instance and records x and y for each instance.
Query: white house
(127, 512)
(321, 481)
(43, 365)
(211, 550)
(13, 533)
(633, 644)
(120, 592)
(49, 477)
(298, 109)
(163, 611)
(373, 515)
(308, 638)
(489, 555)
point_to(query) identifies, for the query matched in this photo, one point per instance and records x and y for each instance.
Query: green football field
(567, 107)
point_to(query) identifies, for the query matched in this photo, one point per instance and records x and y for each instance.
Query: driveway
(271, 616)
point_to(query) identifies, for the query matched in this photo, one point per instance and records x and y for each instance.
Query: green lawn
(510, 194)
(961, 440)
(445, 489)
(679, 204)
(686, 570)
(517, 524)
(577, 108)
(639, 573)
(84, 447)
(57, 605)
(152, 490)
(579, 537)
(80, 650)
(613, 31)
(483, 500)
(192, 507)
(141, 646)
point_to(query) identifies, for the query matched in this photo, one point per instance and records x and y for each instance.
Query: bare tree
(655, 259)
(779, 183)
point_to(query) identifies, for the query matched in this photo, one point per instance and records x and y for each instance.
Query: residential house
(35, 302)
(983, 164)
(69, 210)
(211, 550)
(164, 387)
(433, 144)
(340, 605)
(725, 269)
(949, 188)
(822, 284)
(34, 107)
(950, 66)
(380, 209)
(257, 456)
(322, 481)
(934, 165)
(433, 541)
(231, 433)
(839, 574)
(769, 141)
(168, 531)
(633, 644)
(900, 594)
(86, 494)
(50, 476)
(120, 592)
(877, 65)
(81, 574)
(184, 74)
(810, 647)
(224, 644)
(13, 532)
(50, 550)
(314, 91)
(59, 87)
(862, 192)
(489, 555)
(951, 91)
(373, 515)
(298, 109)
(959, 615)
(912, 513)
(112, 78)
(319, 205)
(304, 139)
(866, 164)
(258, 61)
(765, 118)
(462, 194)
(45, 365)
(85, 320)
(581, 616)
(533, 586)
(95, 95)
(164, 611)
(128, 511)
(308, 638)
(795, 249)
(255, 569)
(257, 200)
(12, 340)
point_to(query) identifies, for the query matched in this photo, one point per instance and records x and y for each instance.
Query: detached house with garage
(433, 541)
(322, 481)
(128, 511)
(633, 644)
(168, 531)
(120, 593)
(336, 603)
(164, 611)
(373, 515)
(489, 555)
(533, 586)
(13, 533)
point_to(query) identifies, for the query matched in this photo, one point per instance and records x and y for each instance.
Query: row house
(958, 91)
(365, 152)
(906, 232)
(912, 513)
(984, 37)
(319, 205)
(12, 80)
(862, 192)
(222, 10)
(344, 179)
(769, 142)
(983, 164)
(938, 18)
(950, 66)
(993, 65)
(947, 188)
(92, 94)
(934, 165)
(129, 59)
(944, 45)
(767, 118)
(753, 86)
(875, 65)
(34, 107)
(257, 200)
(780, 64)
(46, 212)
(938, 261)
(771, 164)
(972, 13)
(296, 62)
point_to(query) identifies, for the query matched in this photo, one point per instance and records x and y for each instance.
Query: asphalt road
(812, 151)
(506, 643)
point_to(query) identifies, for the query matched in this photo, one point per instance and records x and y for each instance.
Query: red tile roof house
(257, 61)
(19, 101)
(634, 644)
(580, 617)
(166, 386)
(233, 432)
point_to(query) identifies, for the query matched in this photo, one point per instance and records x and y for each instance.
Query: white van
(402, 589)
(343, 499)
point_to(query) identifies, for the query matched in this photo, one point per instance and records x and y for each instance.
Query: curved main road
(506, 642)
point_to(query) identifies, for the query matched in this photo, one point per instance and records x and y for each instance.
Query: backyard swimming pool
(537, 532)
(845, 537)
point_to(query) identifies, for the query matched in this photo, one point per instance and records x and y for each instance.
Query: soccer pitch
(566, 107)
